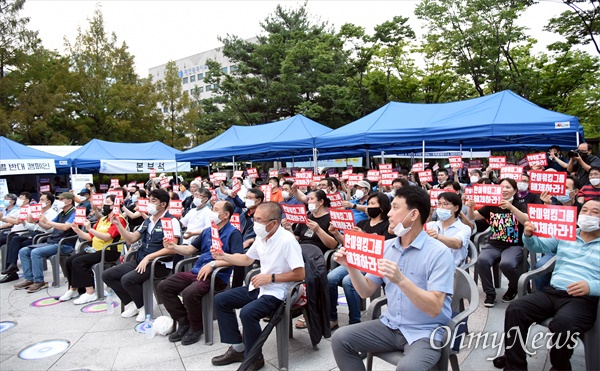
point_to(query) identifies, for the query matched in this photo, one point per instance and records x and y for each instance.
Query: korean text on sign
(373, 176)
(425, 176)
(487, 194)
(97, 199)
(388, 178)
(353, 179)
(363, 251)
(235, 221)
(497, 162)
(295, 213)
(23, 212)
(266, 190)
(385, 168)
(167, 228)
(537, 159)
(555, 183)
(303, 178)
(252, 172)
(346, 174)
(456, 162)
(512, 172)
(176, 208)
(142, 205)
(434, 194)
(80, 213)
(335, 199)
(555, 221)
(419, 166)
(342, 219)
(273, 173)
(36, 211)
(468, 193)
(217, 245)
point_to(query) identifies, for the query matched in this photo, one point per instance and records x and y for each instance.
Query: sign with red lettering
(425, 176)
(235, 188)
(318, 178)
(388, 178)
(266, 189)
(176, 208)
(303, 178)
(537, 159)
(497, 162)
(36, 211)
(512, 172)
(273, 173)
(435, 167)
(252, 172)
(97, 199)
(164, 183)
(363, 251)
(117, 205)
(295, 213)
(469, 193)
(217, 244)
(140, 185)
(385, 168)
(235, 221)
(80, 215)
(152, 173)
(114, 183)
(175, 187)
(334, 175)
(342, 219)
(335, 199)
(214, 196)
(353, 179)
(418, 166)
(218, 177)
(373, 176)
(433, 196)
(555, 221)
(23, 212)
(167, 229)
(142, 204)
(487, 194)
(456, 162)
(45, 188)
(555, 183)
(346, 174)
(238, 173)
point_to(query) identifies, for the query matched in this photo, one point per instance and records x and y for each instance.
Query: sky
(161, 30)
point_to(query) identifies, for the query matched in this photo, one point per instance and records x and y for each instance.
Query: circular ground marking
(97, 307)
(46, 302)
(44, 349)
(6, 325)
(342, 300)
(141, 327)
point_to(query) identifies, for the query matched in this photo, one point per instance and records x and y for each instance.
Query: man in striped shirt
(571, 298)
(591, 190)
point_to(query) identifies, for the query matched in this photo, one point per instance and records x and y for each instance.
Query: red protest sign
(456, 162)
(167, 229)
(355, 178)
(388, 178)
(23, 212)
(303, 178)
(435, 167)
(152, 173)
(425, 176)
(80, 213)
(295, 213)
(346, 174)
(217, 245)
(555, 183)
(36, 211)
(433, 196)
(266, 190)
(418, 166)
(238, 173)
(373, 176)
(252, 172)
(175, 187)
(114, 183)
(363, 251)
(334, 175)
(97, 199)
(142, 204)
(164, 183)
(318, 178)
(273, 173)
(335, 199)
(235, 188)
(140, 185)
(218, 177)
(497, 162)
(385, 168)
(537, 159)
(214, 196)
(117, 205)
(45, 188)
(469, 193)
(487, 194)
(235, 221)
(555, 221)
(342, 219)
(512, 172)
(176, 208)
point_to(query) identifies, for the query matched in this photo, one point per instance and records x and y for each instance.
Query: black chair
(4, 248)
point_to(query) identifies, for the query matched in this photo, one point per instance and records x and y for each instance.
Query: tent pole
(383, 157)
(577, 138)
(423, 154)
(316, 167)
(233, 160)
(367, 159)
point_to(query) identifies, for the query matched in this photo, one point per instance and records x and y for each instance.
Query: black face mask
(106, 209)
(373, 212)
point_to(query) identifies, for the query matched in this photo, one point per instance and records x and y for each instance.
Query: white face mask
(197, 202)
(152, 209)
(522, 186)
(249, 203)
(359, 194)
(260, 230)
(595, 181)
(20, 202)
(474, 179)
(134, 198)
(83, 198)
(213, 216)
(588, 223)
(312, 207)
(285, 194)
(443, 214)
(59, 204)
(44, 205)
(565, 198)
(400, 230)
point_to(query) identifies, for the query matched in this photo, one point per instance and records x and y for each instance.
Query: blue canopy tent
(294, 136)
(500, 121)
(16, 158)
(126, 158)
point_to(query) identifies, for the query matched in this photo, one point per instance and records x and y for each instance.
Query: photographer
(580, 162)
(555, 160)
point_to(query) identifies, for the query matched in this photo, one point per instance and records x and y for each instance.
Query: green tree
(579, 26)
(16, 41)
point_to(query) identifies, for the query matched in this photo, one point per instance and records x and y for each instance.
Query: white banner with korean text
(141, 167)
(23, 166)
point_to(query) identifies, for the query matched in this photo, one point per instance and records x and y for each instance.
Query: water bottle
(110, 309)
(148, 327)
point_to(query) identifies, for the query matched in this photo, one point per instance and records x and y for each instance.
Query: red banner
(167, 228)
(388, 178)
(335, 199)
(512, 172)
(373, 176)
(354, 179)
(342, 219)
(346, 174)
(273, 173)
(418, 166)
(487, 194)
(235, 188)
(114, 183)
(469, 193)
(152, 173)
(555, 221)
(295, 213)
(318, 178)
(140, 185)
(142, 204)
(497, 162)
(425, 176)
(80, 214)
(218, 177)
(97, 199)
(164, 183)
(433, 196)
(176, 208)
(555, 183)
(214, 196)
(235, 221)
(537, 159)
(385, 168)
(117, 205)
(175, 187)
(303, 178)
(217, 245)
(252, 172)
(36, 211)
(266, 189)
(23, 212)
(456, 162)
(238, 174)
(363, 251)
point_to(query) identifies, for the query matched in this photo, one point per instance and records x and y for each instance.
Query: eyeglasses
(444, 204)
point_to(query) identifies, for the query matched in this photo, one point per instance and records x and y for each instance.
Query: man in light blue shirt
(572, 297)
(419, 274)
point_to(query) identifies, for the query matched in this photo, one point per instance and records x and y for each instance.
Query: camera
(573, 153)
